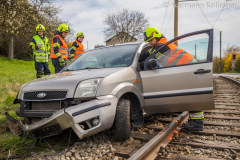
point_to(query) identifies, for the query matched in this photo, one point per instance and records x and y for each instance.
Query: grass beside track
(13, 74)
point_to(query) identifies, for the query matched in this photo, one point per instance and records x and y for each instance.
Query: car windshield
(109, 57)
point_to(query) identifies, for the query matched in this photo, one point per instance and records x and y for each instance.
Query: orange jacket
(175, 56)
(63, 49)
(79, 50)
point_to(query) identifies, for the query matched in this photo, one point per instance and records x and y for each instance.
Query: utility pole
(176, 20)
(220, 64)
(176, 17)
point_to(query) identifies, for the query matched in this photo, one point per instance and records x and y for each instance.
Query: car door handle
(202, 71)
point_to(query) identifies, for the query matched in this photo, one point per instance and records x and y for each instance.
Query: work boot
(194, 125)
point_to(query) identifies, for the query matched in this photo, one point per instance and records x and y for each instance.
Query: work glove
(39, 46)
(72, 57)
(61, 62)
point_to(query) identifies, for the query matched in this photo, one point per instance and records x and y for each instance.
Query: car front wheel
(122, 120)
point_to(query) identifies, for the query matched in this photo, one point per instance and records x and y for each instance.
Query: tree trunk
(11, 45)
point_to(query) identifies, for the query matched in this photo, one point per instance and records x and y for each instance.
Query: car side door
(181, 87)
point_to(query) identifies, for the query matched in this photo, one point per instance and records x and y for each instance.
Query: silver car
(107, 87)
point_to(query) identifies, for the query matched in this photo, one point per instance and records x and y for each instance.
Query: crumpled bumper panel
(71, 117)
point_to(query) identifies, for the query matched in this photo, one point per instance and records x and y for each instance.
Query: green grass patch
(233, 72)
(10, 145)
(13, 74)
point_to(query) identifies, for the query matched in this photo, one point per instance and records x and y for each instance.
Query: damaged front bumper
(77, 117)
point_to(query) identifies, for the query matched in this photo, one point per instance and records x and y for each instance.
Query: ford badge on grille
(41, 95)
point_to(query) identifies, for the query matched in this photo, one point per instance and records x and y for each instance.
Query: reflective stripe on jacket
(79, 50)
(196, 115)
(173, 56)
(41, 54)
(63, 49)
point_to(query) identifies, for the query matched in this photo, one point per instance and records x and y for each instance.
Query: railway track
(163, 138)
(220, 138)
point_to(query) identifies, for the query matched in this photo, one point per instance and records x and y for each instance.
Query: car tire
(122, 120)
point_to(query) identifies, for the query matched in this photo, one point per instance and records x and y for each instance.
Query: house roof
(117, 35)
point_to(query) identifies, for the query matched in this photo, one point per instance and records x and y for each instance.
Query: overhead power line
(220, 13)
(165, 14)
(206, 16)
(168, 20)
(216, 35)
(203, 13)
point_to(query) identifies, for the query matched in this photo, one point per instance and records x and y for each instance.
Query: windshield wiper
(92, 67)
(68, 70)
(83, 68)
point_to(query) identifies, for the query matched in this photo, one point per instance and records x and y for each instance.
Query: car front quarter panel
(121, 82)
(123, 88)
(71, 117)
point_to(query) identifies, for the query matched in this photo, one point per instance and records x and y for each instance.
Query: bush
(237, 64)
(69, 44)
(227, 62)
(216, 64)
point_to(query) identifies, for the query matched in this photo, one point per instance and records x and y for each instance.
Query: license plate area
(47, 131)
(46, 105)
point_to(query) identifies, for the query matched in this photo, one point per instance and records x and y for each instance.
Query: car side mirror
(152, 63)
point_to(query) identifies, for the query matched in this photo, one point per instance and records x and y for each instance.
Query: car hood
(66, 80)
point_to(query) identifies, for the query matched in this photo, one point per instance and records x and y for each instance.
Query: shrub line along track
(228, 112)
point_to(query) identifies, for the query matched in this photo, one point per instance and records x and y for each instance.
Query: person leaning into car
(171, 55)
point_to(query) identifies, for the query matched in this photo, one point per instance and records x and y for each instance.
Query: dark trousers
(42, 69)
(57, 66)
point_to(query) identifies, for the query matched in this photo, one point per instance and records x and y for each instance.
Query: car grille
(49, 95)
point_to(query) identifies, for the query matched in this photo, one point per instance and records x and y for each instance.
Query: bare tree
(70, 36)
(46, 12)
(232, 49)
(15, 15)
(125, 23)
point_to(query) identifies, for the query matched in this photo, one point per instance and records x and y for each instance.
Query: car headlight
(87, 88)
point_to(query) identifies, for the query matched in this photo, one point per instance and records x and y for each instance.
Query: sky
(87, 16)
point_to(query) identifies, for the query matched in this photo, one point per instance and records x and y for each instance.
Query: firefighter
(40, 46)
(59, 49)
(171, 55)
(77, 47)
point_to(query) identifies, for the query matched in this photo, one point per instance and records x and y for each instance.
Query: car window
(109, 57)
(188, 50)
(146, 47)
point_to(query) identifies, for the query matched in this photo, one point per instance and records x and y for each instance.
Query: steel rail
(150, 150)
(231, 79)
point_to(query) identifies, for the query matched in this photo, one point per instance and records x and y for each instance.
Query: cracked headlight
(87, 88)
